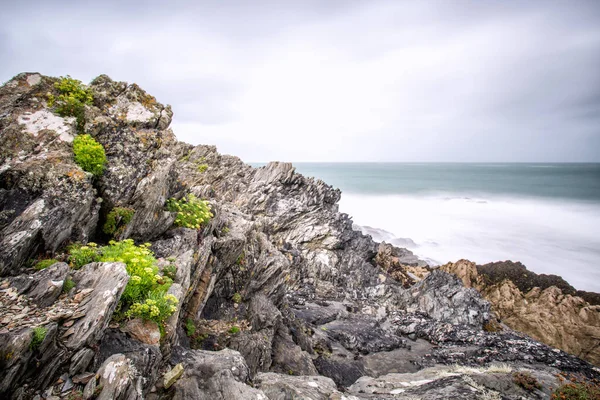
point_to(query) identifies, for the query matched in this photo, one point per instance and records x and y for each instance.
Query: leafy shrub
(39, 334)
(191, 211)
(80, 255)
(72, 98)
(578, 389)
(234, 330)
(236, 298)
(141, 266)
(190, 327)
(89, 154)
(145, 294)
(68, 285)
(43, 264)
(526, 381)
(117, 219)
(157, 307)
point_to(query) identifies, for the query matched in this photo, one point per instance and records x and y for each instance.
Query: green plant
(71, 101)
(202, 167)
(170, 271)
(234, 330)
(157, 307)
(80, 255)
(578, 388)
(43, 264)
(190, 327)
(117, 219)
(89, 154)
(191, 211)
(236, 298)
(68, 285)
(526, 381)
(39, 334)
(141, 267)
(145, 294)
(75, 395)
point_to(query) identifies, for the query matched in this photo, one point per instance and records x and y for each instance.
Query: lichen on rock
(284, 296)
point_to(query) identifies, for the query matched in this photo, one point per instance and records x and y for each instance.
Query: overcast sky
(338, 80)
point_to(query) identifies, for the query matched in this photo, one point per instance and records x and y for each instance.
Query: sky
(389, 80)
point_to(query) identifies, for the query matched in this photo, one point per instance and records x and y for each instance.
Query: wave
(548, 236)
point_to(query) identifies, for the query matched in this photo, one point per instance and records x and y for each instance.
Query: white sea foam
(552, 237)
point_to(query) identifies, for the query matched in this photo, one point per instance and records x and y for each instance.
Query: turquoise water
(568, 181)
(544, 215)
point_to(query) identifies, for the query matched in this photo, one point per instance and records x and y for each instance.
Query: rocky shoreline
(277, 295)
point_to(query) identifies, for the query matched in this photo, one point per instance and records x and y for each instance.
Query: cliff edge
(274, 296)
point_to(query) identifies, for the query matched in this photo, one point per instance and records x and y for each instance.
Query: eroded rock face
(278, 295)
(549, 315)
(220, 375)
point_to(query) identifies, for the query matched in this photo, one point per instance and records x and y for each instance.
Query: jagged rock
(220, 375)
(80, 361)
(401, 264)
(146, 359)
(546, 313)
(281, 387)
(443, 297)
(288, 356)
(115, 378)
(45, 198)
(442, 383)
(309, 294)
(43, 287)
(108, 280)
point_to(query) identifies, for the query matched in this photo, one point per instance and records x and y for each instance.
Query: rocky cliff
(542, 306)
(277, 296)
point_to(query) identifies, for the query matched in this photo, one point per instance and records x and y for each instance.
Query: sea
(546, 216)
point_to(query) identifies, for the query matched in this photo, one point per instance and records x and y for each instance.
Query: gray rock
(282, 387)
(80, 361)
(107, 281)
(443, 297)
(45, 286)
(220, 375)
(115, 378)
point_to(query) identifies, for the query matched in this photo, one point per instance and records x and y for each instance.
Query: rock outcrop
(278, 296)
(544, 307)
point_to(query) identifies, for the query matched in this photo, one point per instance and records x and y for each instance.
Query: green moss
(116, 220)
(39, 334)
(234, 330)
(68, 285)
(190, 327)
(202, 167)
(236, 298)
(89, 154)
(71, 101)
(43, 264)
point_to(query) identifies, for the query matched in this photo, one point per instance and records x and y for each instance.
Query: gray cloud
(339, 80)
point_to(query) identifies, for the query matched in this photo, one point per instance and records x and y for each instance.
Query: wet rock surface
(278, 296)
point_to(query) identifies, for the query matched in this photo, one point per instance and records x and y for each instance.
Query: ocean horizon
(545, 215)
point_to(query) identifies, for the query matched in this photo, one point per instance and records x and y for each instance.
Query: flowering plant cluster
(145, 295)
(191, 211)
